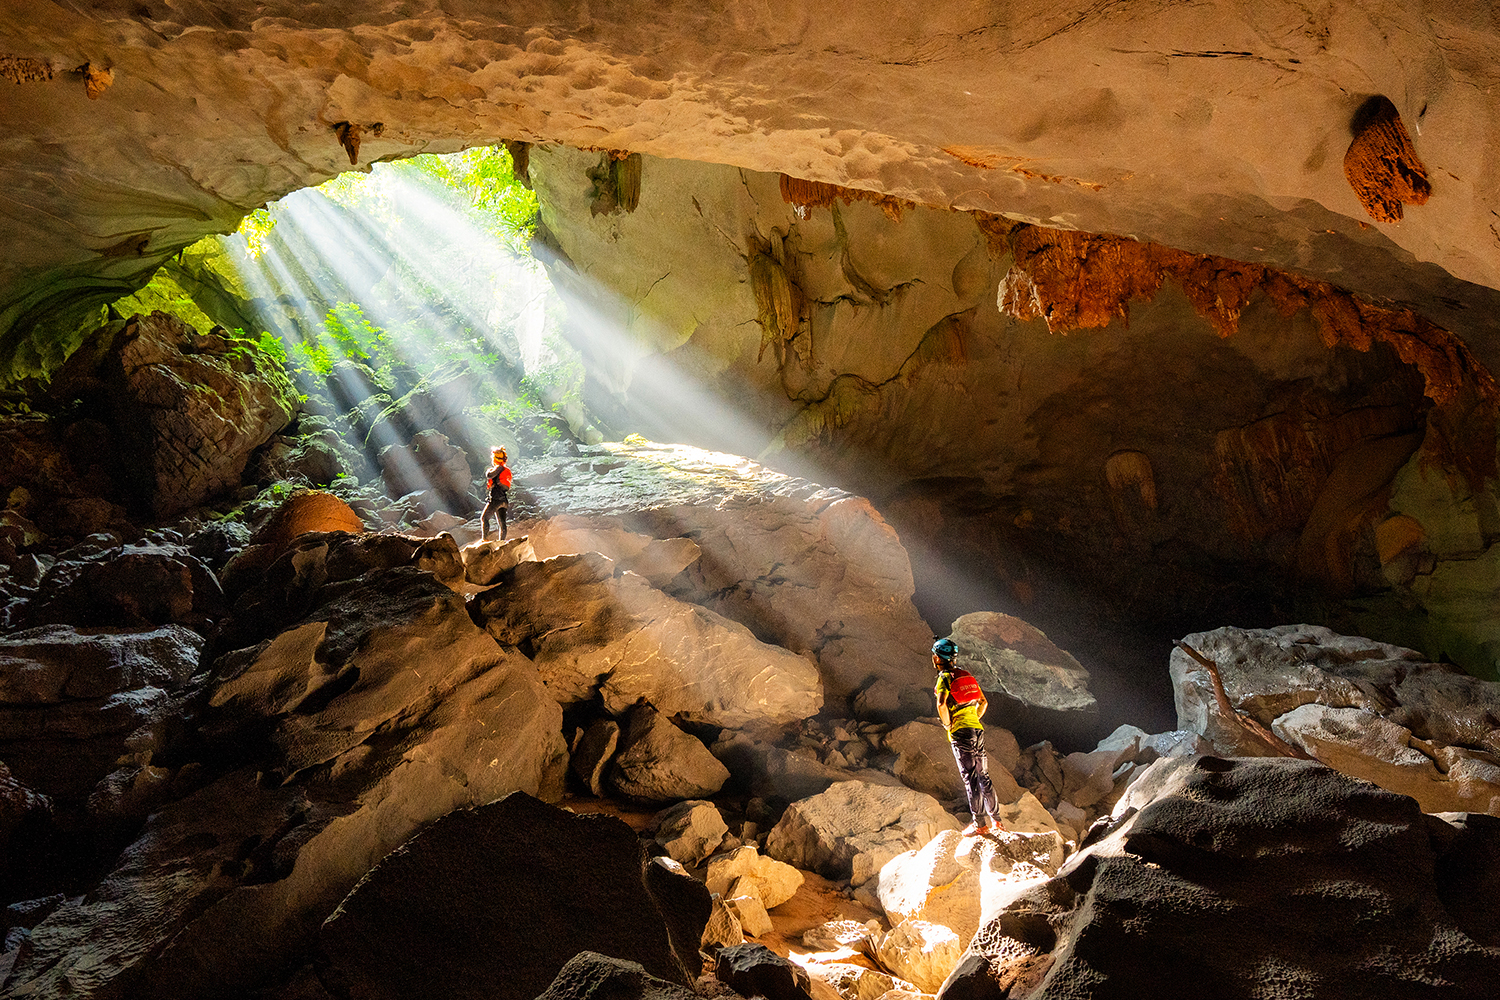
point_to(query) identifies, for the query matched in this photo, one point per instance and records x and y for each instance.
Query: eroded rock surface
(810, 569)
(1370, 896)
(1369, 709)
(440, 915)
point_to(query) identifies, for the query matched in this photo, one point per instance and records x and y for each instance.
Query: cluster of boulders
(299, 759)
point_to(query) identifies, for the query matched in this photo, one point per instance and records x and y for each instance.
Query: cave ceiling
(133, 127)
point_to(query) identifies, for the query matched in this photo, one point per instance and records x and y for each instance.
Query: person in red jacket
(960, 704)
(497, 480)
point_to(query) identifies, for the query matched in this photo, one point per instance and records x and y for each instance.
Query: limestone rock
(1364, 745)
(1384, 890)
(594, 753)
(485, 560)
(813, 570)
(627, 641)
(776, 882)
(852, 829)
(383, 710)
(723, 928)
(925, 761)
(52, 663)
(753, 970)
(438, 915)
(590, 974)
(921, 953)
(836, 935)
(955, 881)
(690, 831)
(432, 462)
(1015, 659)
(658, 560)
(194, 407)
(657, 762)
(773, 772)
(748, 909)
(131, 586)
(1375, 709)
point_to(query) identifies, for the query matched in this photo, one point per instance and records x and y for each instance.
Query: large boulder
(429, 462)
(74, 700)
(383, 708)
(491, 903)
(851, 830)
(140, 584)
(659, 560)
(619, 638)
(588, 975)
(1369, 709)
(952, 880)
(1016, 661)
(657, 762)
(1367, 896)
(811, 569)
(193, 406)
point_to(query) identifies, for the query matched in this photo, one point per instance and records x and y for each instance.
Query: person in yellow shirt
(960, 706)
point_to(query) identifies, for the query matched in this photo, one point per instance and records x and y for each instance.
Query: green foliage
(162, 294)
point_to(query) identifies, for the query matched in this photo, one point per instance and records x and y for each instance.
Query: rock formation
(1369, 896)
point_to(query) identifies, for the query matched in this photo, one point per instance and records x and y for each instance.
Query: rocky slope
(307, 761)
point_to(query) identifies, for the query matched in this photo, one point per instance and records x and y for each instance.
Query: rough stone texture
(958, 882)
(690, 831)
(753, 970)
(1056, 126)
(485, 560)
(625, 641)
(1364, 745)
(924, 761)
(429, 462)
(920, 952)
(1372, 710)
(778, 774)
(659, 560)
(852, 829)
(56, 662)
(776, 882)
(590, 974)
(811, 569)
(1370, 897)
(1015, 659)
(657, 762)
(594, 752)
(439, 915)
(381, 711)
(193, 408)
(301, 513)
(128, 586)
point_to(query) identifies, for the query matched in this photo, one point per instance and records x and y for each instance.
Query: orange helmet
(498, 454)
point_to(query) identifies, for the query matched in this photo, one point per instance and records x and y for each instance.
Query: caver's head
(943, 652)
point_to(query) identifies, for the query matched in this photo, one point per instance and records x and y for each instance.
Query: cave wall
(1152, 467)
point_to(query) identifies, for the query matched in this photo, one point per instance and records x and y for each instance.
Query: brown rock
(1382, 164)
(439, 916)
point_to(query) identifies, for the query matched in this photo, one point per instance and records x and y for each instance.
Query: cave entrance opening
(401, 300)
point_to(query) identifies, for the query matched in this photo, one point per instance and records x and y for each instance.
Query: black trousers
(974, 768)
(498, 508)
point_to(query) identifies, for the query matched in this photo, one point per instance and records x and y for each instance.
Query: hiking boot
(973, 830)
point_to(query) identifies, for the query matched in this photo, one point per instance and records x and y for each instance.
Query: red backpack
(963, 689)
(501, 476)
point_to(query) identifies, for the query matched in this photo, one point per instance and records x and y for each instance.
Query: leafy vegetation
(390, 294)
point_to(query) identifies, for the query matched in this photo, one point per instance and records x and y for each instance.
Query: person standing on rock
(497, 480)
(960, 705)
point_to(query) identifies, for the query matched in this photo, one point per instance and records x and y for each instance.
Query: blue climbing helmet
(945, 650)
